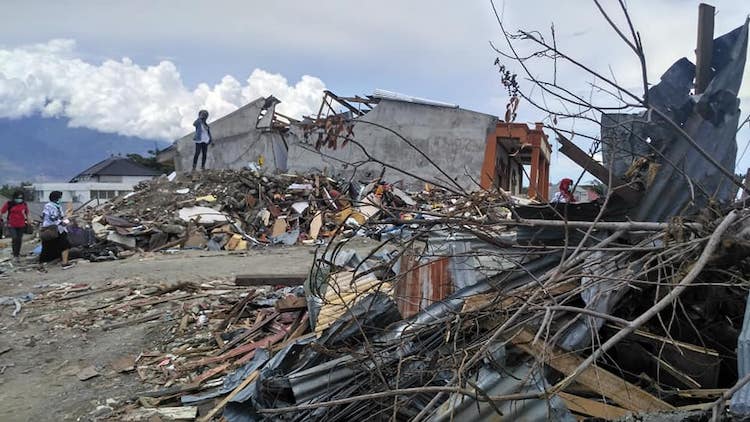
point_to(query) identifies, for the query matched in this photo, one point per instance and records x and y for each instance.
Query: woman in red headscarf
(564, 195)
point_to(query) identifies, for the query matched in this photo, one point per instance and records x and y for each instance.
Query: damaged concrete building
(415, 139)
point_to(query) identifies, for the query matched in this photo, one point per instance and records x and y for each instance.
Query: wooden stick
(139, 320)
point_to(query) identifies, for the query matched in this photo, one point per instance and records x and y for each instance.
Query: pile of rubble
(208, 329)
(235, 210)
(634, 306)
(443, 325)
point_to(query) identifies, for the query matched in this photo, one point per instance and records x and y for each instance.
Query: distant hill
(42, 149)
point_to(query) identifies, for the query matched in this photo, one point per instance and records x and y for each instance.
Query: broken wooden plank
(145, 318)
(184, 413)
(235, 313)
(241, 350)
(169, 391)
(290, 303)
(593, 408)
(599, 380)
(703, 393)
(250, 331)
(211, 373)
(667, 367)
(270, 279)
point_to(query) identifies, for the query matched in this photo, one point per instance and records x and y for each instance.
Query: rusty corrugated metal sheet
(423, 281)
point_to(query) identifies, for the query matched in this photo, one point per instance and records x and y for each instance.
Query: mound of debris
(234, 210)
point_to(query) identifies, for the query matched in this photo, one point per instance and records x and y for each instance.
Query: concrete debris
(234, 210)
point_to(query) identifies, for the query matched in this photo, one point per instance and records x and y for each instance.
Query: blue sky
(433, 49)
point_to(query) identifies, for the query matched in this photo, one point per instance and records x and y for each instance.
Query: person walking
(54, 232)
(17, 212)
(202, 138)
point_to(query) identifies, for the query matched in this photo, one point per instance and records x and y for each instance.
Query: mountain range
(48, 150)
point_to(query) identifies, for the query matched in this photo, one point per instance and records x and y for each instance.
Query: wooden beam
(293, 303)
(704, 50)
(599, 380)
(270, 279)
(593, 408)
(343, 102)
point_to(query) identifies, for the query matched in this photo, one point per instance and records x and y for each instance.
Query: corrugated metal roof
(395, 96)
(117, 166)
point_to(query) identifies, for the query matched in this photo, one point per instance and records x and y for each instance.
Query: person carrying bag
(54, 233)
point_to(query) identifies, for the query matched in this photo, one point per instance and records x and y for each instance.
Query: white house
(99, 183)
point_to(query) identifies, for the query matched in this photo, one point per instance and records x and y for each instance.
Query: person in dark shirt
(18, 217)
(202, 138)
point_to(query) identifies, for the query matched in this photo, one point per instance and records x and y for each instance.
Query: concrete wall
(236, 141)
(451, 137)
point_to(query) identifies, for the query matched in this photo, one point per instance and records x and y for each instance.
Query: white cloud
(123, 97)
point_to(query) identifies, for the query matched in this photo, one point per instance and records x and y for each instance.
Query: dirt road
(38, 375)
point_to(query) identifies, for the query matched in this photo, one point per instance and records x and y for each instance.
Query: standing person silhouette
(202, 138)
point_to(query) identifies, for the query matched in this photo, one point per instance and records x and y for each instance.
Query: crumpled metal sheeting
(232, 380)
(710, 119)
(494, 378)
(599, 295)
(242, 408)
(685, 180)
(310, 374)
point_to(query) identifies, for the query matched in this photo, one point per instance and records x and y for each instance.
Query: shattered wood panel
(343, 292)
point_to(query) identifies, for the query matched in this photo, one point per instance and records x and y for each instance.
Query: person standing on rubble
(18, 217)
(54, 246)
(564, 195)
(202, 138)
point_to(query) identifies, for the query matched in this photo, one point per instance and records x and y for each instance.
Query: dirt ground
(38, 374)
